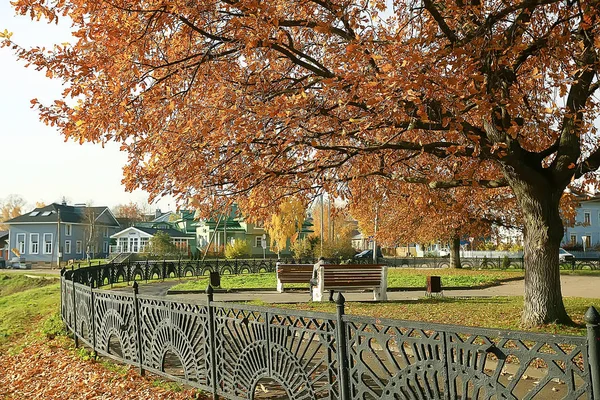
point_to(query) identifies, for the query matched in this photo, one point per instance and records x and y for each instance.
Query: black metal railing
(235, 351)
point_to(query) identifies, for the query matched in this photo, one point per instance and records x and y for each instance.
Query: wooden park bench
(293, 273)
(350, 277)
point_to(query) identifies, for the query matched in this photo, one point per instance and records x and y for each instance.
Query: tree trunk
(543, 231)
(455, 252)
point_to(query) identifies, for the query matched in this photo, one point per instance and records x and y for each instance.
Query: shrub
(238, 249)
(335, 250)
(302, 248)
(505, 263)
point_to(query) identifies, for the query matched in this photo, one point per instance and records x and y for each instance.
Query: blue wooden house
(59, 231)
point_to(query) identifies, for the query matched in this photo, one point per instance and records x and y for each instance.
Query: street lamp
(264, 245)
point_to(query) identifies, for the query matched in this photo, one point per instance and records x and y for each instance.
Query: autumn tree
(10, 207)
(286, 224)
(412, 213)
(256, 100)
(132, 211)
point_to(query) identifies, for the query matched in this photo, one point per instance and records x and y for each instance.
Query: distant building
(585, 233)
(75, 232)
(4, 245)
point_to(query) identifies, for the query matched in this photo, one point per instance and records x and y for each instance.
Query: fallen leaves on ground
(51, 371)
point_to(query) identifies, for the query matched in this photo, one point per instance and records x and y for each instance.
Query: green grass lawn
(25, 304)
(495, 312)
(397, 277)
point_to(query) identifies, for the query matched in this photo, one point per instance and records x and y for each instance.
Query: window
(34, 243)
(587, 241)
(105, 248)
(67, 247)
(78, 247)
(586, 218)
(573, 239)
(68, 229)
(47, 213)
(47, 243)
(34, 214)
(105, 232)
(21, 243)
(258, 242)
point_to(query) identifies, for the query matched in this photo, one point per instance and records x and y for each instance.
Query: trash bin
(215, 279)
(434, 285)
(2, 263)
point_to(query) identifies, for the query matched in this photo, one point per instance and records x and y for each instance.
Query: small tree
(302, 248)
(161, 245)
(286, 224)
(237, 249)
(10, 207)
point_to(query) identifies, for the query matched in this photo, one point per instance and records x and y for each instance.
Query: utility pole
(58, 254)
(322, 217)
(374, 234)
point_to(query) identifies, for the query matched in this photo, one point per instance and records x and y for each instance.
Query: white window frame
(21, 243)
(68, 229)
(78, 247)
(258, 241)
(67, 247)
(48, 250)
(33, 250)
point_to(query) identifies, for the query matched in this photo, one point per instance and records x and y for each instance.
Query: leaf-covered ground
(38, 361)
(50, 370)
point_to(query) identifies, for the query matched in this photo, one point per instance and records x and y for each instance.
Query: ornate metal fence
(239, 351)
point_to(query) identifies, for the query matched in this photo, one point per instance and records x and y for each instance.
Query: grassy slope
(24, 304)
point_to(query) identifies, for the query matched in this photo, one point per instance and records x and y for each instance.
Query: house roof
(68, 214)
(174, 233)
(3, 235)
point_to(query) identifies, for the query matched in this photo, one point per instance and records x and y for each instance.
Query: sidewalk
(572, 286)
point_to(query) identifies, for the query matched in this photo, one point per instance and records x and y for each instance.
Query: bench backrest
(294, 273)
(352, 275)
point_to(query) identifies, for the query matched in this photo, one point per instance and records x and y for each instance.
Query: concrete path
(572, 286)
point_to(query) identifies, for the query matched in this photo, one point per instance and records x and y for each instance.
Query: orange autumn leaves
(49, 371)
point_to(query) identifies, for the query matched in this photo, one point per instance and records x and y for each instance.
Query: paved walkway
(572, 286)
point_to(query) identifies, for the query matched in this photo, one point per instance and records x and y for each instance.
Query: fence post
(342, 348)
(212, 341)
(74, 309)
(93, 312)
(138, 326)
(592, 321)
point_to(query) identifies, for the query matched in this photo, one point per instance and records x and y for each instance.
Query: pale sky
(35, 162)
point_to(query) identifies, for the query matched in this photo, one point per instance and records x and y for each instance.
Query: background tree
(338, 228)
(161, 245)
(93, 231)
(131, 211)
(328, 92)
(286, 225)
(410, 213)
(10, 207)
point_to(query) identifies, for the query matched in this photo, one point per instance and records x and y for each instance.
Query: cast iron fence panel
(116, 330)
(411, 360)
(175, 334)
(231, 349)
(297, 351)
(444, 262)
